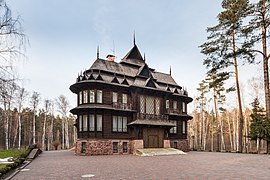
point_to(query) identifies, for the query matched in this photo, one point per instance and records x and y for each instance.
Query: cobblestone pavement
(194, 165)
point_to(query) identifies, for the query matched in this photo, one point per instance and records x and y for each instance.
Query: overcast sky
(64, 35)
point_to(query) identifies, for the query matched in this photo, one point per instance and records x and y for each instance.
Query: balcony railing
(151, 116)
(122, 106)
(174, 111)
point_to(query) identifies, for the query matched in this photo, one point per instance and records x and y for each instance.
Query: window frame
(85, 96)
(114, 97)
(92, 98)
(184, 109)
(99, 120)
(99, 96)
(119, 124)
(85, 123)
(124, 98)
(173, 130)
(184, 127)
(80, 97)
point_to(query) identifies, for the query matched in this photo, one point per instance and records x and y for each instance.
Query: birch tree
(21, 96)
(63, 108)
(35, 98)
(47, 104)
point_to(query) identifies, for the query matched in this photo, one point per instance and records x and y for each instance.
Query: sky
(64, 35)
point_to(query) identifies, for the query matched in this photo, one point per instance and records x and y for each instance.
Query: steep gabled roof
(133, 57)
(134, 53)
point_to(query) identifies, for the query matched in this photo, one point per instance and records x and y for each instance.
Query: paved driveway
(194, 165)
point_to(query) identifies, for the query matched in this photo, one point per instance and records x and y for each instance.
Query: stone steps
(158, 152)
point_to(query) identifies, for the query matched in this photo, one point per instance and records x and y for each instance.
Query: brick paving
(194, 165)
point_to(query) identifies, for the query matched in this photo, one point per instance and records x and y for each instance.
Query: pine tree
(258, 126)
(225, 45)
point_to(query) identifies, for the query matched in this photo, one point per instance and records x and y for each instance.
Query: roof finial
(98, 52)
(144, 56)
(170, 70)
(134, 38)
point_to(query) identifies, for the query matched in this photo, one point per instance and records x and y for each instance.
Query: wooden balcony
(122, 106)
(151, 116)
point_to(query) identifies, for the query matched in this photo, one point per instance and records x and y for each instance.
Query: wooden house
(126, 105)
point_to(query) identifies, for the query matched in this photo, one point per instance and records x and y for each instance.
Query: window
(157, 104)
(174, 104)
(184, 106)
(80, 97)
(142, 104)
(83, 150)
(114, 123)
(184, 127)
(149, 105)
(115, 97)
(175, 144)
(149, 101)
(119, 124)
(173, 130)
(85, 123)
(85, 96)
(92, 96)
(124, 98)
(80, 123)
(91, 122)
(99, 96)
(125, 147)
(99, 122)
(167, 104)
(115, 147)
(124, 124)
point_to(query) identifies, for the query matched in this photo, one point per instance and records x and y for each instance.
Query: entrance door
(153, 137)
(153, 141)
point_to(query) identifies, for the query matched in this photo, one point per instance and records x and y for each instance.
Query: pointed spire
(98, 52)
(170, 70)
(144, 57)
(134, 39)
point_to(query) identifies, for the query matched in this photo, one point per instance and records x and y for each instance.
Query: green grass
(11, 153)
(19, 155)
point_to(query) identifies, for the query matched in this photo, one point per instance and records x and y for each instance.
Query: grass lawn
(11, 153)
(19, 155)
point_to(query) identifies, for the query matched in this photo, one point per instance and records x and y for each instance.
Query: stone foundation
(92, 147)
(166, 143)
(181, 144)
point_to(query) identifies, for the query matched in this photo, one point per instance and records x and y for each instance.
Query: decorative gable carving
(115, 80)
(150, 83)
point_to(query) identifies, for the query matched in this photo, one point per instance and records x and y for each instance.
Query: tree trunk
(15, 129)
(44, 132)
(222, 135)
(241, 122)
(66, 133)
(63, 134)
(6, 129)
(19, 131)
(230, 132)
(34, 127)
